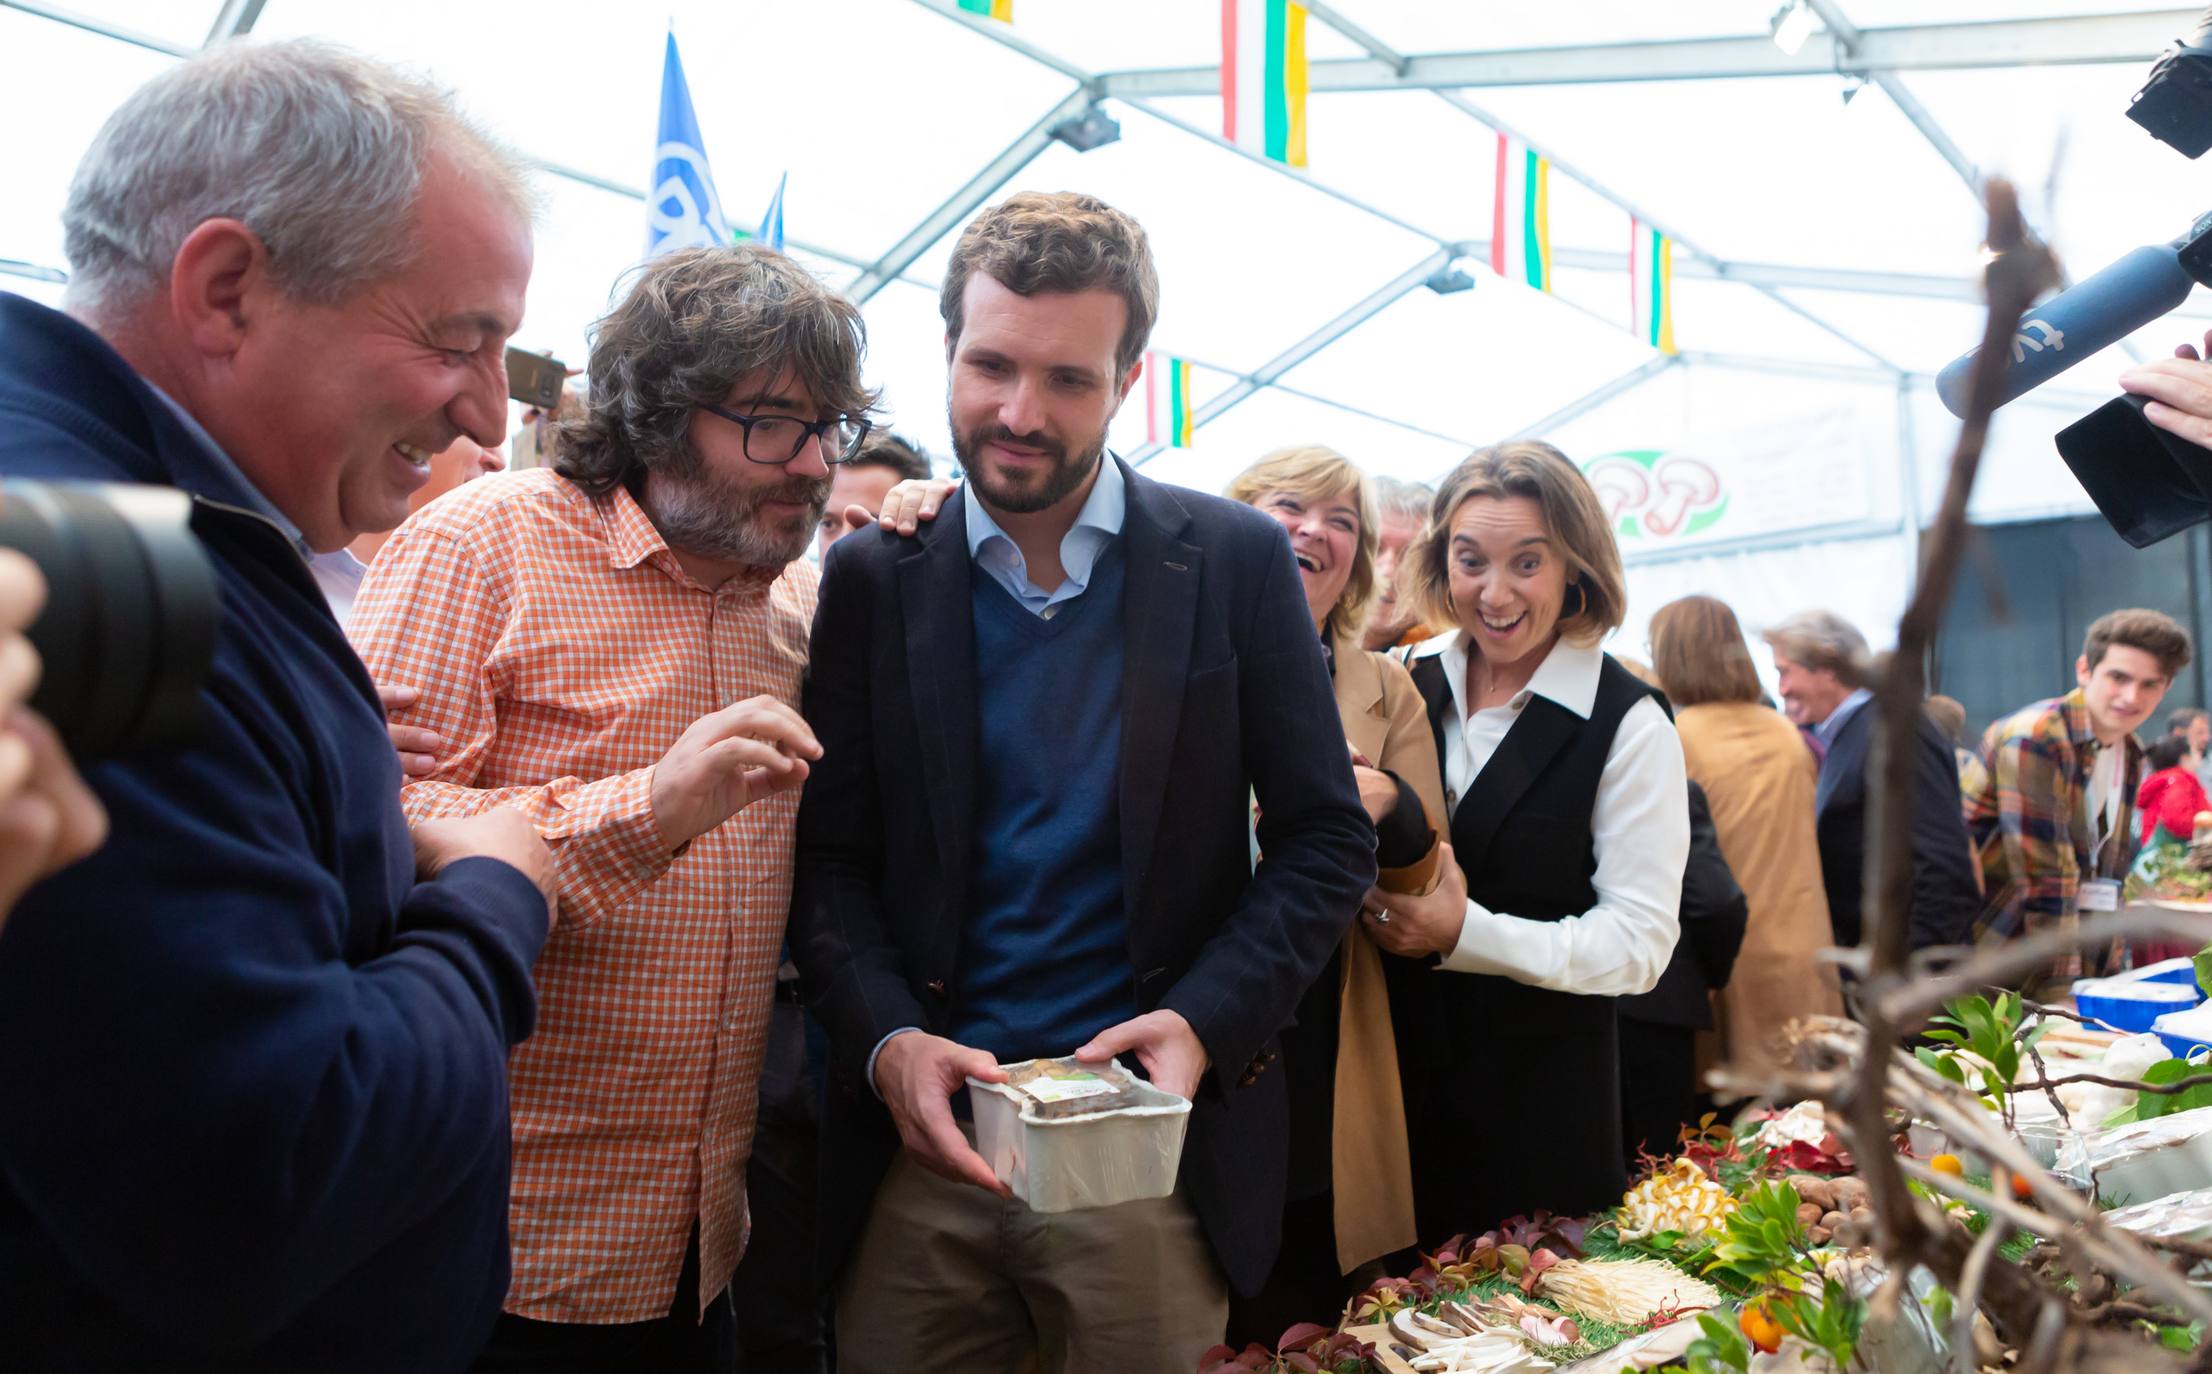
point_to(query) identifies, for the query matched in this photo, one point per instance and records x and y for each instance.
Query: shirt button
(1049, 612)
(1451, 798)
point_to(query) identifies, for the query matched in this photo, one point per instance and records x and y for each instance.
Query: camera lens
(129, 626)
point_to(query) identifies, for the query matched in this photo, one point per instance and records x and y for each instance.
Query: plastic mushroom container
(1065, 1136)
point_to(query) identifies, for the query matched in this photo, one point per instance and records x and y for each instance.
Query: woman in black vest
(1569, 831)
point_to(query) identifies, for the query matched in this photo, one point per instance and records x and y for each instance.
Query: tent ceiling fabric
(881, 110)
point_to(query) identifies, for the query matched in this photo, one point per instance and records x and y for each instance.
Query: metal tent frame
(1878, 56)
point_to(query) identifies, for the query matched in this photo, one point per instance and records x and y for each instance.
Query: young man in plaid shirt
(2050, 800)
(578, 636)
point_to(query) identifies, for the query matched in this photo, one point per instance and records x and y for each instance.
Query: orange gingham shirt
(560, 650)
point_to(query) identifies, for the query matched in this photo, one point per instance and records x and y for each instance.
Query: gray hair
(1395, 496)
(1821, 640)
(318, 151)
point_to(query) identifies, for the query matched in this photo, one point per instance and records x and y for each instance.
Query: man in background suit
(1042, 720)
(1812, 650)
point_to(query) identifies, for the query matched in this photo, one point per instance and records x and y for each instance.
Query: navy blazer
(1224, 695)
(1945, 896)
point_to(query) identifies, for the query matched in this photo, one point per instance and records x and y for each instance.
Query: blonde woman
(1350, 1193)
(1759, 779)
(1568, 835)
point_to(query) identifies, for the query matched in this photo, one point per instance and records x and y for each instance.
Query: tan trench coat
(1758, 777)
(1386, 721)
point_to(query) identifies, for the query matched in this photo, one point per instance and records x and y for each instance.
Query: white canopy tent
(1825, 257)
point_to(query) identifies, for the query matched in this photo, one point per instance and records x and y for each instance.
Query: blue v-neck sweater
(1044, 952)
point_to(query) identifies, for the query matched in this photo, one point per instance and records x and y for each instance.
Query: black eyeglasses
(777, 439)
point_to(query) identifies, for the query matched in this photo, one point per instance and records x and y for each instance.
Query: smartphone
(535, 379)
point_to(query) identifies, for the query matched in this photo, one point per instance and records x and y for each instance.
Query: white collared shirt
(1096, 525)
(1639, 828)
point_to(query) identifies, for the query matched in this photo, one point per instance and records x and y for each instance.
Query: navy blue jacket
(1224, 695)
(1945, 896)
(253, 1101)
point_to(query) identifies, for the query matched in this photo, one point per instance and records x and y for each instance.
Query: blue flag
(771, 224)
(682, 209)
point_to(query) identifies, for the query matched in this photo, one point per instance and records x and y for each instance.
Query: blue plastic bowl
(2135, 1014)
(2184, 972)
(2181, 1046)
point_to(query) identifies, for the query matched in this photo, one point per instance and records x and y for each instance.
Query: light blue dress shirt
(1096, 526)
(1845, 709)
(261, 505)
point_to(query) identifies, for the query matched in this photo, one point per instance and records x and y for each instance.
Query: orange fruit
(1760, 1328)
(1948, 1164)
(2020, 1188)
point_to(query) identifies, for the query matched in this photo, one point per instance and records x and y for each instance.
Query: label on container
(1068, 1089)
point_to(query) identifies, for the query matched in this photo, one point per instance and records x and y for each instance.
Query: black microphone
(2091, 315)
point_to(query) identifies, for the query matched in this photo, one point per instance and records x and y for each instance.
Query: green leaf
(2203, 963)
(1948, 1037)
(1939, 1308)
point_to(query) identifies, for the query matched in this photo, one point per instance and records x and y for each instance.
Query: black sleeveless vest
(1522, 834)
(1522, 837)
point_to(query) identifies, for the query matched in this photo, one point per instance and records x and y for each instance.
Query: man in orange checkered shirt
(579, 636)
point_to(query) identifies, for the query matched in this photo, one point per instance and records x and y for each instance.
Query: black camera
(2175, 104)
(2148, 483)
(128, 631)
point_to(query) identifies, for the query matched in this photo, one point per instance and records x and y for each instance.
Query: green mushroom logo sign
(1651, 494)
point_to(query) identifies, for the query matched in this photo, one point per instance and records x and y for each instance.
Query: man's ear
(219, 270)
(1136, 370)
(2081, 670)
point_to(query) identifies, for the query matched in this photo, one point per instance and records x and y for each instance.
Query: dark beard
(711, 517)
(1058, 482)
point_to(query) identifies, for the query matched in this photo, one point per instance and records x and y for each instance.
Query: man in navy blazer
(1044, 721)
(1809, 648)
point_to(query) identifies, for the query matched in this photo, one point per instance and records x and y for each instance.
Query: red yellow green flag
(1170, 424)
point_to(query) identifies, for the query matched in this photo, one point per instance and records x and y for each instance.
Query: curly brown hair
(694, 322)
(1036, 241)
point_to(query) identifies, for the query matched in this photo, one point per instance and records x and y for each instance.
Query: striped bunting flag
(1263, 78)
(1651, 285)
(1173, 376)
(1520, 222)
(1001, 10)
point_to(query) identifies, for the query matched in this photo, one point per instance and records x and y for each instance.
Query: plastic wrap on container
(2142, 1160)
(1094, 1159)
(2131, 1005)
(2182, 1216)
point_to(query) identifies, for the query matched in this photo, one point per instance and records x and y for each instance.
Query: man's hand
(503, 833)
(1165, 1044)
(2180, 392)
(1413, 926)
(916, 1075)
(727, 761)
(906, 505)
(1378, 791)
(49, 819)
(418, 748)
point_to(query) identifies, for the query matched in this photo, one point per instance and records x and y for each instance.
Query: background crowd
(569, 942)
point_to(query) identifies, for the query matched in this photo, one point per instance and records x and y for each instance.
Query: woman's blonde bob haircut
(1314, 472)
(1579, 532)
(1700, 654)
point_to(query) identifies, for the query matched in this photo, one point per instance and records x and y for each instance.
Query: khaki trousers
(949, 1279)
